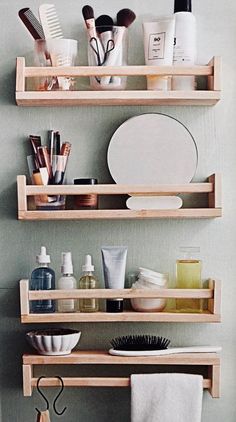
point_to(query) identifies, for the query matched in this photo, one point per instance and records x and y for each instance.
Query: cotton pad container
(148, 279)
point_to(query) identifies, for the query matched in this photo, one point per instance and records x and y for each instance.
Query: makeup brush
(95, 43)
(125, 17)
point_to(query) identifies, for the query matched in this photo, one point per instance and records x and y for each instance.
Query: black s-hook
(41, 393)
(57, 397)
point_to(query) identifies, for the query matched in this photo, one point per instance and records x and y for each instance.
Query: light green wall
(151, 243)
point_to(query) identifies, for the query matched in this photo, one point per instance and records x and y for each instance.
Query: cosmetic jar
(148, 279)
(88, 202)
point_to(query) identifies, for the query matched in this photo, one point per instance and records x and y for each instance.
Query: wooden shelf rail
(212, 314)
(212, 188)
(211, 360)
(211, 96)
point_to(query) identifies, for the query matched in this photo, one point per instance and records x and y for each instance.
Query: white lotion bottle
(185, 45)
(67, 282)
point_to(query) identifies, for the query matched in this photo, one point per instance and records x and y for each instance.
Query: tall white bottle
(67, 282)
(185, 45)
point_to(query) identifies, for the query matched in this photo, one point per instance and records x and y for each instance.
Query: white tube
(158, 48)
(185, 49)
(114, 263)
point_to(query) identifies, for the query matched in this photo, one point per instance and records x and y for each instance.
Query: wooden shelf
(212, 314)
(211, 360)
(211, 96)
(212, 188)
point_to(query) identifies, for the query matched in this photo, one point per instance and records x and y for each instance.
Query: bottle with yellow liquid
(188, 276)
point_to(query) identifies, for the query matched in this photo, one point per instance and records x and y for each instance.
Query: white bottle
(185, 45)
(67, 282)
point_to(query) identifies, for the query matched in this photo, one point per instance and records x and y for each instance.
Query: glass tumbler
(55, 52)
(108, 48)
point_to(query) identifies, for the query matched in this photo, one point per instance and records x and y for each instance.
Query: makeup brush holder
(50, 203)
(108, 48)
(57, 53)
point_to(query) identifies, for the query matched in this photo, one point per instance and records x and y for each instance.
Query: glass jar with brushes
(88, 281)
(188, 276)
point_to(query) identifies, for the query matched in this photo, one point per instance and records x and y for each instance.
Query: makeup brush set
(47, 165)
(107, 42)
(51, 48)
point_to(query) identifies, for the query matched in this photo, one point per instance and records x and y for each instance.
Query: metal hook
(57, 397)
(41, 393)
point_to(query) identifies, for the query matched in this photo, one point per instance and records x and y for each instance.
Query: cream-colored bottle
(188, 276)
(88, 281)
(67, 282)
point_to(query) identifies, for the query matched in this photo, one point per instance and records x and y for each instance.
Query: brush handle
(170, 351)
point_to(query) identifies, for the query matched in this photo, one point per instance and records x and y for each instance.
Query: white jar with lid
(148, 279)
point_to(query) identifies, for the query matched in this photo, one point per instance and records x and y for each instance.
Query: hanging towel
(43, 416)
(166, 398)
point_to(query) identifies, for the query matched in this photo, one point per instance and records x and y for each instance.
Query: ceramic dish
(53, 342)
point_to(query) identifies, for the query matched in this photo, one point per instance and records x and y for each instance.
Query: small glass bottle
(188, 276)
(88, 281)
(42, 278)
(67, 282)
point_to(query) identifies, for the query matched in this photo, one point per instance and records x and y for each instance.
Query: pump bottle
(42, 278)
(67, 282)
(88, 281)
(185, 44)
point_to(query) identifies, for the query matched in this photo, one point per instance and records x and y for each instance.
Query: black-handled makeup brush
(32, 23)
(104, 26)
(125, 17)
(95, 43)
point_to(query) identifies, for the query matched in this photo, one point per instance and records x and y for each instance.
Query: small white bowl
(53, 342)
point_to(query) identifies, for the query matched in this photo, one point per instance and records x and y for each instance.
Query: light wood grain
(101, 357)
(214, 81)
(108, 98)
(214, 304)
(24, 297)
(215, 197)
(21, 194)
(78, 71)
(20, 74)
(215, 376)
(94, 382)
(27, 379)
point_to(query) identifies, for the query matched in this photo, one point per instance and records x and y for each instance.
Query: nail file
(32, 23)
(50, 21)
(164, 352)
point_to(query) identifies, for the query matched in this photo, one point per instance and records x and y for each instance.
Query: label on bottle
(156, 46)
(183, 54)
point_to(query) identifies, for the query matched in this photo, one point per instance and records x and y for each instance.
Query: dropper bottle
(42, 278)
(88, 281)
(66, 282)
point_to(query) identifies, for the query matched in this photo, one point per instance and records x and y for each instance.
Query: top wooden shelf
(207, 97)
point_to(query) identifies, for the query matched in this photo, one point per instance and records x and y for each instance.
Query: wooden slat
(21, 194)
(133, 190)
(214, 81)
(24, 297)
(121, 293)
(103, 98)
(120, 214)
(78, 71)
(20, 74)
(215, 376)
(94, 382)
(215, 197)
(203, 317)
(27, 379)
(214, 304)
(101, 357)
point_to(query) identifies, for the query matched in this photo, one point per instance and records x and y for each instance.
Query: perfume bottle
(88, 281)
(188, 276)
(67, 282)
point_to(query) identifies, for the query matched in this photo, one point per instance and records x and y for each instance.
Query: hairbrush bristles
(104, 23)
(88, 12)
(125, 17)
(140, 342)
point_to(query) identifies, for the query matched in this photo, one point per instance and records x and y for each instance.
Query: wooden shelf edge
(115, 214)
(123, 317)
(106, 98)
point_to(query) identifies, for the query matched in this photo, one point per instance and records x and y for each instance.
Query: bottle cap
(88, 264)
(183, 6)
(115, 305)
(66, 263)
(43, 258)
(88, 181)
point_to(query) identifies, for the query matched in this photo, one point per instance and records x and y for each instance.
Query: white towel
(166, 398)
